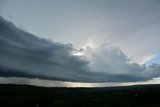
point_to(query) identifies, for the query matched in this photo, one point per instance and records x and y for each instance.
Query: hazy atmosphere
(111, 42)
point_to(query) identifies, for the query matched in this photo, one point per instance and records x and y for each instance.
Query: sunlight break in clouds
(51, 83)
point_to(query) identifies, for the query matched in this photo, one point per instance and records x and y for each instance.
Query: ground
(32, 96)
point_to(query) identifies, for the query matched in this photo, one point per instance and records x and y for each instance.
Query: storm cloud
(23, 54)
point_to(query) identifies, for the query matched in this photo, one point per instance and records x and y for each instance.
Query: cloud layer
(25, 55)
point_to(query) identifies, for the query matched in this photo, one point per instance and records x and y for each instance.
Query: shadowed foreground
(32, 96)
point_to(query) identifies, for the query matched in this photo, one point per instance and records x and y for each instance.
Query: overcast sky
(111, 37)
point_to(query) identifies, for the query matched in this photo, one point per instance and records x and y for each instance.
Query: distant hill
(32, 96)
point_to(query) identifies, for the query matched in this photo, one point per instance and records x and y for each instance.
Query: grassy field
(32, 96)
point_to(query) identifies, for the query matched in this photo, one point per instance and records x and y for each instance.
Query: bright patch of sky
(50, 83)
(155, 60)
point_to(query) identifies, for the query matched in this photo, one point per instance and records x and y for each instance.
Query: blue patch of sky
(155, 60)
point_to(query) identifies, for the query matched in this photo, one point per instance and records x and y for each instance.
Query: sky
(80, 41)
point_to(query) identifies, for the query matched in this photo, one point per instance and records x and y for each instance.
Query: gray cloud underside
(25, 55)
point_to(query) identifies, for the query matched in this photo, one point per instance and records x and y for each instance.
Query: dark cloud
(25, 55)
